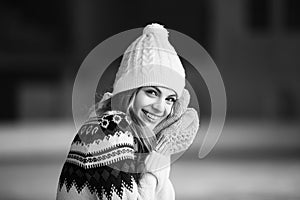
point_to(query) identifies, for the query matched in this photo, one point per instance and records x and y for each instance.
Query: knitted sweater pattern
(101, 158)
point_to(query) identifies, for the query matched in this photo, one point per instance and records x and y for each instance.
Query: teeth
(152, 116)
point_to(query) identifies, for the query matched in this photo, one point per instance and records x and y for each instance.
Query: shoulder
(113, 121)
(101, 157)
(103, 140)
(104, 126)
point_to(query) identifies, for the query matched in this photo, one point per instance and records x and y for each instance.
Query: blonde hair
(124, 101)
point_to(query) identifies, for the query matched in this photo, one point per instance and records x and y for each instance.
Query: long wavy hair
(144, 137)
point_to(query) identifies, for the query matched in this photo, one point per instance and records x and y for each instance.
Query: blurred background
(255, 44)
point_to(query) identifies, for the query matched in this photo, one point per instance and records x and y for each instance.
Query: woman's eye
(171, 100)
(151, 92)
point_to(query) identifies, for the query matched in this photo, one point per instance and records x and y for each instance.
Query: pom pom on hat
(150, 61)
(157, 29)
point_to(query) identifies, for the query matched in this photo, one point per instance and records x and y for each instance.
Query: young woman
(123, 150)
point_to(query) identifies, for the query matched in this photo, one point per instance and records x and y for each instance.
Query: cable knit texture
(180, 129)
(148, 61)
(101, 164)
(182, 132)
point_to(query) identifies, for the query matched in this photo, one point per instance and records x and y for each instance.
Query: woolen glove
(179, 108)
(177, 132)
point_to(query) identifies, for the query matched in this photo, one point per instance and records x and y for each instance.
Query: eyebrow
(171, 95)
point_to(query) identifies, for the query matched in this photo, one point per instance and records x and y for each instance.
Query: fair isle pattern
(101, 158)
(107, 143)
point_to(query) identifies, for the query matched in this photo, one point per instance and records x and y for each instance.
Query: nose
(159, 106)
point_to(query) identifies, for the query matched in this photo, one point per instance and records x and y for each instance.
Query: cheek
(167, 113)
(168, 109)
(139, 102)
(142, 101)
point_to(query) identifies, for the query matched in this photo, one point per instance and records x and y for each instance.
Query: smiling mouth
(151, 117)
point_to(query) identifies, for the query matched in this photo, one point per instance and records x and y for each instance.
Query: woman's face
(153, 104)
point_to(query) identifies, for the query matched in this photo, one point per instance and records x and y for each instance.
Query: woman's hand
(177, 132)
(179, 108)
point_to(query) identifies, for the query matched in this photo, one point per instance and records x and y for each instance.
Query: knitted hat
(150, 61)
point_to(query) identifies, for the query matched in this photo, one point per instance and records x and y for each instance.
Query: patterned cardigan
(101, 164)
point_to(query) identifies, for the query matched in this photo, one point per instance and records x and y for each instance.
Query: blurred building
(255, 44)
